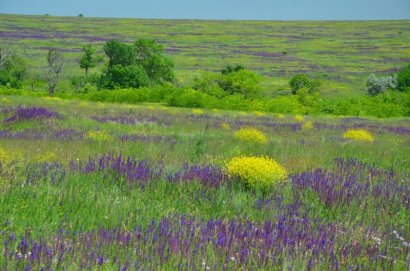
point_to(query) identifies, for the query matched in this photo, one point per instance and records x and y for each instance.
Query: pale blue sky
(217, 9)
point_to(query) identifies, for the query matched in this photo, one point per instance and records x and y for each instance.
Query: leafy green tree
(242, 81)
(88, 60)
(119, 53)
(150, 56)
(119, 76)
(403, 78)
(55, 61)
(136, 65)
(300, 81)
(13, 71)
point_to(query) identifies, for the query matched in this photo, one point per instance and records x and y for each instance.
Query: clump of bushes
(230, 81)
(256, 172)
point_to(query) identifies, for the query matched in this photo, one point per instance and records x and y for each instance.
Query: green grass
(339, 53)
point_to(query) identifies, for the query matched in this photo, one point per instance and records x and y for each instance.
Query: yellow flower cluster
(258, 113)
(299, 118)
(7, 157)
(226, 126)
(257, 172)
(251, 135)
(197, 111)
(98, 136)
(307, 125)
(46, 157)
(358, 135)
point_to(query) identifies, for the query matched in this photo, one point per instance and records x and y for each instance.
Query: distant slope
(341, 53)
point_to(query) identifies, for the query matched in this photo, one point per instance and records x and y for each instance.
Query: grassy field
(103, 186)
(342, 54)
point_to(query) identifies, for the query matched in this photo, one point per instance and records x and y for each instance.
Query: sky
(216, 9)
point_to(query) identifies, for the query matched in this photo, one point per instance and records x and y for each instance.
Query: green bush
(403, 78)
(13, 71)
(301, 81)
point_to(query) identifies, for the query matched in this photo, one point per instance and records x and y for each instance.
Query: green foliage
(231, 80)
(119, 76)
(375, 85)
(150, 56)
(88, 60)
(242, 81)
(300, 81)
(403, 78)
(119, 53)
(136, 65)
(13, 71)
(230, 69)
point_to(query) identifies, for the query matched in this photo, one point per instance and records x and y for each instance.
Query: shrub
(251, 135)
(307, 125)
(301, 81)
(119, 76)
(403, 78)
(358, 135)
(13, 72)
(375, 86)
(256, 172)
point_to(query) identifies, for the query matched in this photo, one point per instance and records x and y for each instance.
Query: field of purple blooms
(98, 186)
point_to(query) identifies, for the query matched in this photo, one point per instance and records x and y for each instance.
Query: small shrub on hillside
(251, 135)
(358, 135)
(302, 81)
(403, 78)
(375, 85)
(256, 172)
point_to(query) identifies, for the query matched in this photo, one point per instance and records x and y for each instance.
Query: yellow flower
(281, 116)
(197, 111)
(98, 136)
(6, 157)
(258, 113)
(46, 157)
(299, 118)
(358, 135)
(307, 125)
(226, 126)
(251, 135)
(257, 172)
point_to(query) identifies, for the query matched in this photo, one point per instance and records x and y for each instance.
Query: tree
(13, 71)
(119, 76)
(88, 60)
(136, 65)
(119, 53)
(150, 56)
(241, 81)
(403, 78)
(55, 61)
(300, 81)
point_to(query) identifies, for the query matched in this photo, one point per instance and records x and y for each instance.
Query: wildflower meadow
(100, 186)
